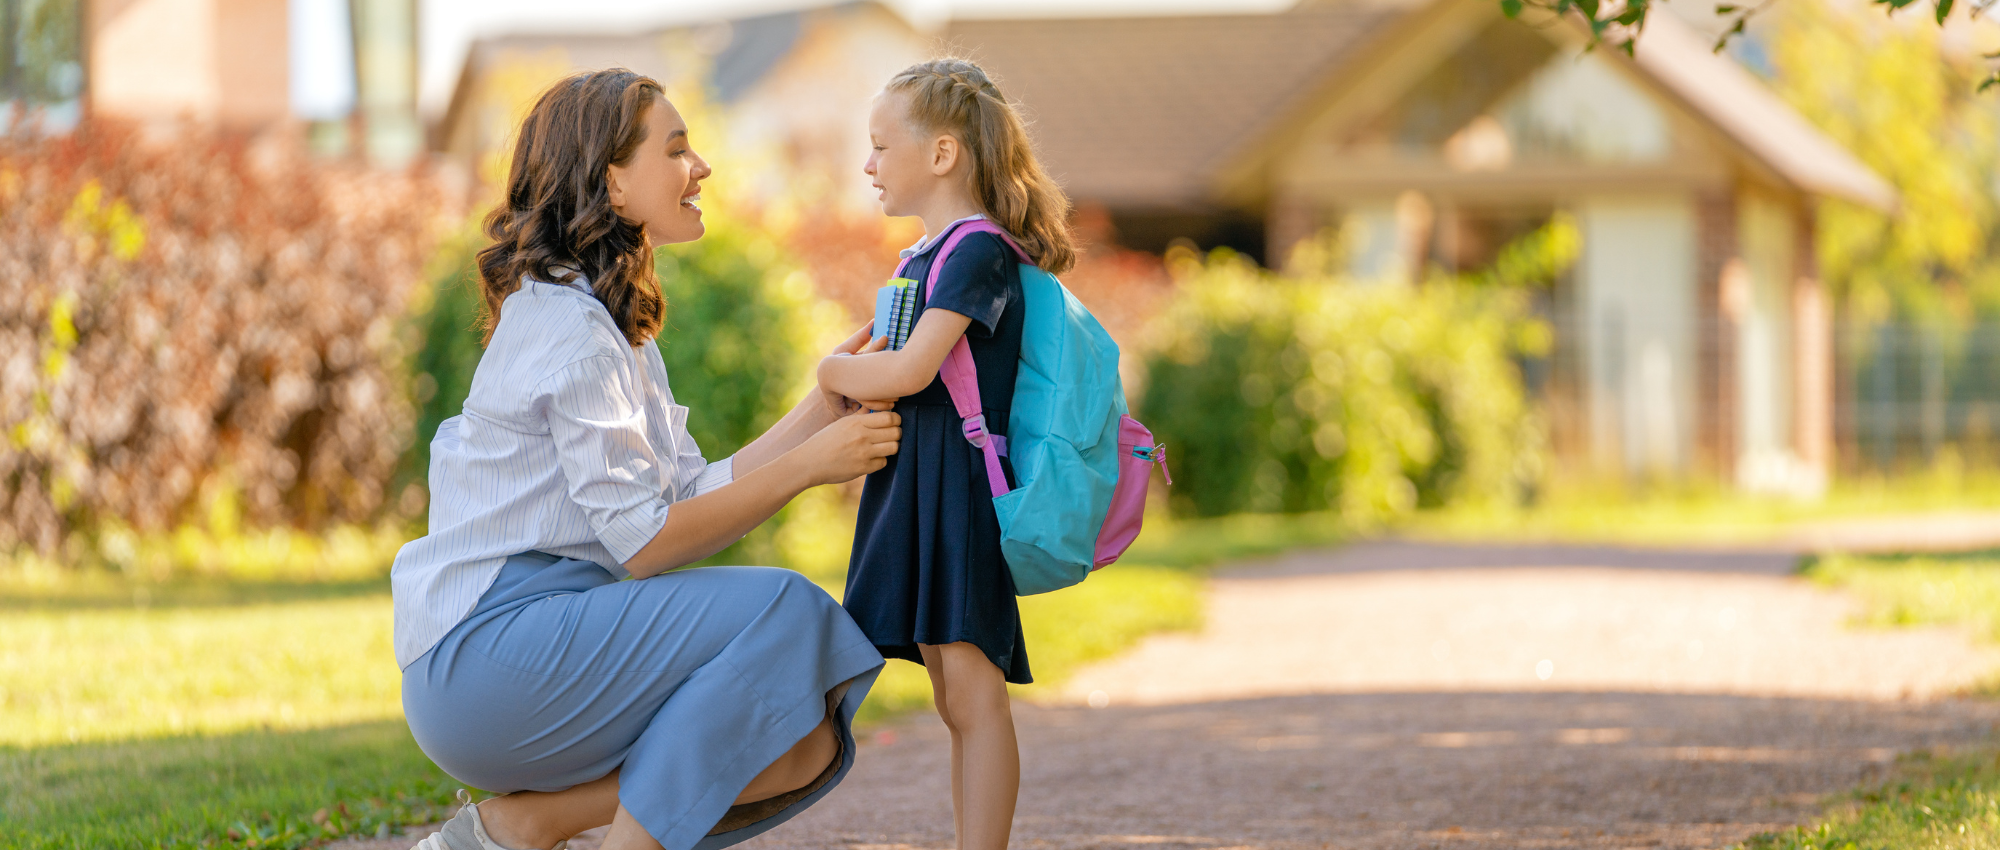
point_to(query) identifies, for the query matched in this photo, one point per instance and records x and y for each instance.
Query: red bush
(199, 310)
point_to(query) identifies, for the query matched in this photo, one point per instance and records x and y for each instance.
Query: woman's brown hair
(557, 221)
(955, 96)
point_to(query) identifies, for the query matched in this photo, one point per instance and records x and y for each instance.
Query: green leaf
(1732, 32)
(1512, 8)
(1726, 8)
(1943, 10)
(1991, 80)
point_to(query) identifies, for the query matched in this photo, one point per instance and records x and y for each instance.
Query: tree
(1620, 22)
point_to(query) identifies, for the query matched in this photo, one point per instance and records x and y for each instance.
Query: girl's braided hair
(557, 222)
(955, 96)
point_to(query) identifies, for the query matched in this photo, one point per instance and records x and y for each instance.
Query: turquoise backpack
(1081, 461)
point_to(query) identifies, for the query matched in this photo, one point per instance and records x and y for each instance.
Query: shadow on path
(1400, 770)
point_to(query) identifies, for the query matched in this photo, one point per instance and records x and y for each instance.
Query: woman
(685, 709)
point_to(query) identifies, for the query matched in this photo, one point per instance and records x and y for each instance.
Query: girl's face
(907, 168)
(660, 186)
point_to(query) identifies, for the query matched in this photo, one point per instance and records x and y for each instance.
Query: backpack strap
(961, 378)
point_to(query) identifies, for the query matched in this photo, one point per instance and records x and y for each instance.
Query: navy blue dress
(926, 566)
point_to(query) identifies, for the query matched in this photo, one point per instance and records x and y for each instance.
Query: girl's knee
(943, 706)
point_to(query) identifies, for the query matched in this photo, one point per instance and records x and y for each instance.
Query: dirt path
(1393, 695)
(1387, 696)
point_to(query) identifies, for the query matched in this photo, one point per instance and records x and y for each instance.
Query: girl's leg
(976, 695)
(532, 820)
(934, 665)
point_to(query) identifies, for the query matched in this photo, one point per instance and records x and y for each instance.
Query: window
(41, 61)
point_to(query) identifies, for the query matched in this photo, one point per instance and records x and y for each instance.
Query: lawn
(1577, 511)
(262, 789)
(1958, 588)
(264, 713)
(1934, 801)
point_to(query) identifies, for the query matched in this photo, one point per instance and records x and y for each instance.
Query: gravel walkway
(1397, 695)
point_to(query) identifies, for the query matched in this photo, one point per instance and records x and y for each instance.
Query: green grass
(1935, 802)
(248, 789)
(91, 674)
(1661, 515)
(1959, 588)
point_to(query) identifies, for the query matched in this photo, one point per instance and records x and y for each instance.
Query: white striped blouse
(570, 443)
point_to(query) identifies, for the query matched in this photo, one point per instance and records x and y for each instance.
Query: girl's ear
(944, 155)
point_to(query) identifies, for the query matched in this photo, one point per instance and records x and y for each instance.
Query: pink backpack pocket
(1136, 456)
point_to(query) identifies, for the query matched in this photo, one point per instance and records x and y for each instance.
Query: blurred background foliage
(198, 333)
(1917, 292)
(1305, 392)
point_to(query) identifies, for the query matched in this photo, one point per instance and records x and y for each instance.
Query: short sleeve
(977, 282)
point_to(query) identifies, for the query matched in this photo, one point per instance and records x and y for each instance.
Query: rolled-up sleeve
(715, 475)
(615, 475)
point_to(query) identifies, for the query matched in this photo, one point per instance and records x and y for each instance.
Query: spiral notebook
(895, 311)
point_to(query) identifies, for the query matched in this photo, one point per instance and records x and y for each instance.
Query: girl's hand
(851, 447)
(857, 343)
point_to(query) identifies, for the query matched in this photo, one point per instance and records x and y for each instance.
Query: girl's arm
(895, 374)
(703, 525)
(818, 409)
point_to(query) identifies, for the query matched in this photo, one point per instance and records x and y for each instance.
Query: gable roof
(1144, 111)
(747, 50)
(1746, 111)
(1151, 111)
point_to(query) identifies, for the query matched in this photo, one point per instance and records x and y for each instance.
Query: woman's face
(660, 186)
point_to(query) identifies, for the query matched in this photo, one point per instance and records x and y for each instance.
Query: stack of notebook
(896, 311)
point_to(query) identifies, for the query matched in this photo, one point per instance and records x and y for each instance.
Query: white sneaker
(466, 832)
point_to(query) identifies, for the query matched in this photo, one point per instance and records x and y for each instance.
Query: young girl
(926, 581)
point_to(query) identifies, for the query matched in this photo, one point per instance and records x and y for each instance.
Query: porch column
(1721, 284)
(1293, 218)
(1812, 323)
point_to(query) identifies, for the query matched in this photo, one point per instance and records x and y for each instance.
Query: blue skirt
(688, 683)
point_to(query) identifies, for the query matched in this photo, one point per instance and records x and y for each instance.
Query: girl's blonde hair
(955, 96)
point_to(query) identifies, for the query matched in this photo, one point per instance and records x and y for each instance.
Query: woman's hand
(851, 447)
(857, 343)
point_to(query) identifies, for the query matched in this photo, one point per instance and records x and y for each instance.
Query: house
(795, 85)
(236, 65)
(1694, 334)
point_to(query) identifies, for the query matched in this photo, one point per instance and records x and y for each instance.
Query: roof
(1149, 111)
(740, 52)
(1144, 111)
(1738, 104)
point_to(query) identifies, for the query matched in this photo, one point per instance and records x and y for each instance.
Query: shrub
(1305, 393)
(197, 314)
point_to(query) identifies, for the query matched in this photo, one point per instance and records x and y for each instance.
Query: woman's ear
(944, 155)
(615, 191)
